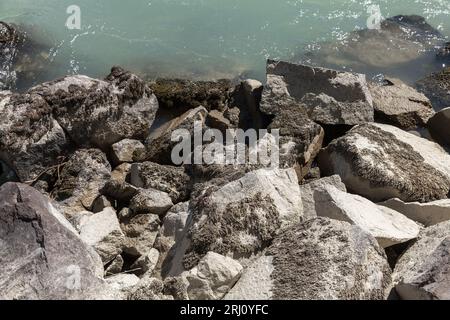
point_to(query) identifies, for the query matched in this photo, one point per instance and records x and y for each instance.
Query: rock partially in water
(437, 88)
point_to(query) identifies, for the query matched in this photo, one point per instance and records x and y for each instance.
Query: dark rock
(439, 127)
(437, 88)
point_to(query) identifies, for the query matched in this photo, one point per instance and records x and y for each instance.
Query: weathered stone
(169, 179)
(115, 267)
(100, 204)
(122, 282)
(41, 256)
(307, 191)
(148, 289)
(381, 162)
(123, 151)
(389, 227)
(397, 104)
(319, 259)
(151, 201)
(423, 272)
(328, 96)
(428, 214)
(238, 219)
(100, 113)
(80, 180)
(32, 141)
(102, 232)
(146, 263)
(439, 126)
(141, 232)
(217, 120)
(213, 277)
(159, 144)
(436, 87)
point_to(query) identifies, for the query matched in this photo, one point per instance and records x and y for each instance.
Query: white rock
(122, 281)
(389, 227)
(123, 151)
(428, 214)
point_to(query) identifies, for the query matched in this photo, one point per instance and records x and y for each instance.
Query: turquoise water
(197, 38)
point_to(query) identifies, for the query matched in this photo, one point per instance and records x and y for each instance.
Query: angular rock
(148, 289)
(388, 226)
(146, 263)
(40, 256)
(213, 277)
(141, 232)
(319, 259)
(102, 232)
(436, 87)
(159, 144)
(238, 219)
(123, 151)
(100, 204)
(397, 104)
(115, 267)
(247, 97)
(31, 139)
(169, 179)
(381, 162)
(151, 201)
(423, 272)
(217, 120)
(100, 113)
(80, 180)
(439, 126)
(328, 96)
(307, 191)
(428, 214)
(118, 187)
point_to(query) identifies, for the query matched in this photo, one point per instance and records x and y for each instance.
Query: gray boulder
(151, 201)
(397, 104)
(439, 127)
(123, 151)
(140, 232)
(41, 256)
(319, 259)
(423, 271)
(381, 162)
(436, 87)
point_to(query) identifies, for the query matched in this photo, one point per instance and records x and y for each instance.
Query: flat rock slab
(381, 162)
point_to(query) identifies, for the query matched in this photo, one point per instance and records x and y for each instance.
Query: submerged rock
(397, 104)
(319, 259)
(381, 162)
(423, 272)
(41, 256)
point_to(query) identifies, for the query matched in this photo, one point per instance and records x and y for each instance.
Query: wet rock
(41, 257)
(308, 190)
(397, 104)
(388, 226)
(168, 179)
(102, 231)
(213, 277)
(428, 214)
(80, 180)
(436, 87)
(319, 259)
(151, 201)
(159, 145)
(123, 151)
(238, 219)
(381, 162)
(179, 96)
(100, 113)
(444, 53)
(328, 96)
(141, 232)
(31, 141)
(439, 127)
(423, 270)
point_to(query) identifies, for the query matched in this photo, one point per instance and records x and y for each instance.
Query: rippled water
(197, 38)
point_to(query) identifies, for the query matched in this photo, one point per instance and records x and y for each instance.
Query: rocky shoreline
(92, 208)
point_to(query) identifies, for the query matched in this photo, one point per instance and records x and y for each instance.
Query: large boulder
(428, 214)
(41, 256)
(381, 162)
(238, 219)
(436, 87)
(100, 113)
(439, 127)
(423, 272)
(31, 140)
(398, 104)
(319, 259)
(329, 96)
(388, 226)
